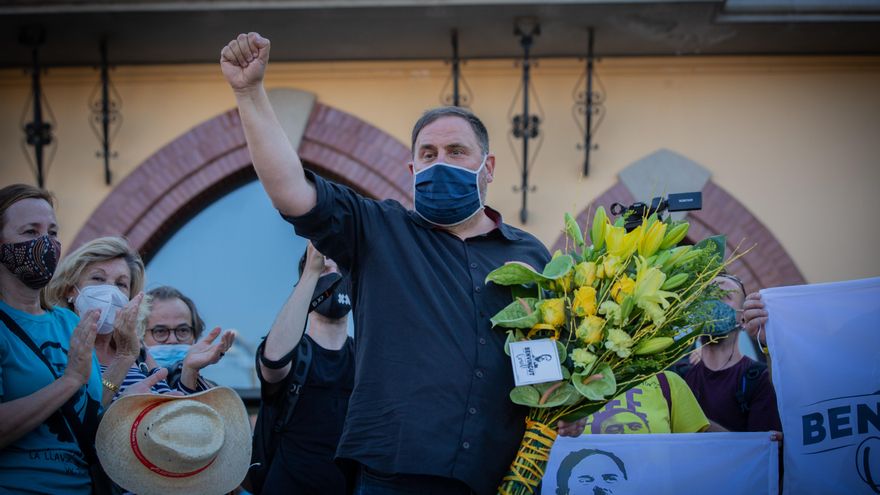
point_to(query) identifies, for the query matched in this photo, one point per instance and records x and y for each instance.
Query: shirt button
(482, 341)
(477, 289)
(479, 373)
(465, 445)
(474, 266)
(472, 410)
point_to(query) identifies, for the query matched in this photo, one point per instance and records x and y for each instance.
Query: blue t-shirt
(48, 458)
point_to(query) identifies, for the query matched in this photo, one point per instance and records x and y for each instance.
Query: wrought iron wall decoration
(452, 93)
(38, 132)
(106, 119)
(526, 125)
(588, 110)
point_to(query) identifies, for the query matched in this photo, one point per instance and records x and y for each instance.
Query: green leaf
(558, 267)
(596, 389)
(515, 314)
(525, 395)
(513, 336)
(627, 307)
(524, 291)
(559, 396)
(514, 273)
(718, 241)
(560, 347)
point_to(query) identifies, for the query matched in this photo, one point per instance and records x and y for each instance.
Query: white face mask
(108, 298)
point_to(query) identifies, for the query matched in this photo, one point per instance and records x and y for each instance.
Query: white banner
(825, 347)
(716, 463)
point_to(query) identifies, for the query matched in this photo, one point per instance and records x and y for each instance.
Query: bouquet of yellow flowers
(619, 311)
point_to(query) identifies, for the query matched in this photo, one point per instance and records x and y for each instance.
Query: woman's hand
(146, 385)
(204, 352)
(125, 329)
(81, 350)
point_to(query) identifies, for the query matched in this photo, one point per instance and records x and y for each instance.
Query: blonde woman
(103, 274)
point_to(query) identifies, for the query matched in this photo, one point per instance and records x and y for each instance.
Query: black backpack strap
(82, 432)
(667, 394)
(296, 381)
(748, 383)
(681, 367)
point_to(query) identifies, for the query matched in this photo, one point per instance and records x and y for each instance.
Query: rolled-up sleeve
(336, 223)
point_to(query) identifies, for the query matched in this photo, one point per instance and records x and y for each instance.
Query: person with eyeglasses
(173, 337)
(733, 390)
(108, 275)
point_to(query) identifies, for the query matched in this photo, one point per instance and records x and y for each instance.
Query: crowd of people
(418, 403)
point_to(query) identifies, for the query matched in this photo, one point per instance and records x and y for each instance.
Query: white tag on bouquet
(535, 361)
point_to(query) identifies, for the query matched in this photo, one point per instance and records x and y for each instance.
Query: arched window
(237, 260)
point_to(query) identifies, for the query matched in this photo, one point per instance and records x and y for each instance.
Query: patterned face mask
(33, 261)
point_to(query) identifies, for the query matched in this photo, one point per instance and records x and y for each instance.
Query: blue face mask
(723, 319)
(447, 195)
(168, 355)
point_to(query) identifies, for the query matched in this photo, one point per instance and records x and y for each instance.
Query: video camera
(634, 213)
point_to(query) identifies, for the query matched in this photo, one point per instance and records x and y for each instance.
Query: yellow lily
(647, 293)
(652, 238)
(584, 303)
(553, 311)
(611, 265)
(623, 287)
(621, 243)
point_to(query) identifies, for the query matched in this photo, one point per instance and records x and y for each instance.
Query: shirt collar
(505, 230)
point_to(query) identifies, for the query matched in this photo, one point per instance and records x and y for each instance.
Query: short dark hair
(436, 113)
(573, 459)
(165, 293)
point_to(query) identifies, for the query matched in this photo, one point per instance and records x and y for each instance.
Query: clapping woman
(50, 385)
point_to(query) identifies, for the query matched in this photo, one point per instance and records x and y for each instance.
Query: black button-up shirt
(432, 380)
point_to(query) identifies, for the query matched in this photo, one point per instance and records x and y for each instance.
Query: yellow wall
(794, 139)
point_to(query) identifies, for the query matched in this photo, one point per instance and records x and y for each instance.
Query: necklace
(732, 350)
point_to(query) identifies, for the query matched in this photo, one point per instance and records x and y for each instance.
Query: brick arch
(766, 265)
(211, 159)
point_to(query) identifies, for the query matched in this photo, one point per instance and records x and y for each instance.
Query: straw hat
(160, 444)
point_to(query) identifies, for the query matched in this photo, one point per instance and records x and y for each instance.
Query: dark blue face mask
(447, 195)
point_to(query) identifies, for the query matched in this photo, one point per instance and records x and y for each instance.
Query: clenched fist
(244, 60)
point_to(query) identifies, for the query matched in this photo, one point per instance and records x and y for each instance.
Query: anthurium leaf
(597, 389)
(559, 396)
(524, 291)
(518, 314)
(560, 347)
(558, 267)
(512, 336)
(525, 395)
(513, 273)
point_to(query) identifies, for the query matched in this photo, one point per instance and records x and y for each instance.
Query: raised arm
(243, 62)
(287, 330)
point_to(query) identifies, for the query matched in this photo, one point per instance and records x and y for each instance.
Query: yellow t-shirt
(643, 409)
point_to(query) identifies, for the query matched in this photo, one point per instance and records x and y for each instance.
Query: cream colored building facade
(795, 140)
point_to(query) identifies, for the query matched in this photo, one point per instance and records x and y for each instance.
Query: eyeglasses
(161, 333)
